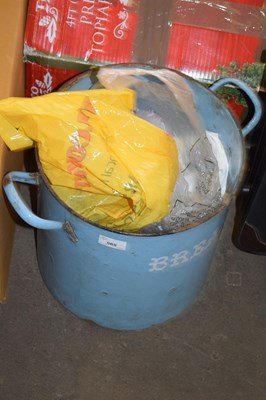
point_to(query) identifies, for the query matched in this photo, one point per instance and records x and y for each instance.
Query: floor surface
(215, 351)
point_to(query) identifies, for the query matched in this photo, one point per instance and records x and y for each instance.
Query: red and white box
(98, 30)
(206, 40)
(209, 40)
(44, 79)
(73, 34)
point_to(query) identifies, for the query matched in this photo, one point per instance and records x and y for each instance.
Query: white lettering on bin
(177, 259)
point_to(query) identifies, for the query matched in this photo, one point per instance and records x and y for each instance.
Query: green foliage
(251, 74)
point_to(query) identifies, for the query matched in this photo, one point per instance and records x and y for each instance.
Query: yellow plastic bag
(103, 161)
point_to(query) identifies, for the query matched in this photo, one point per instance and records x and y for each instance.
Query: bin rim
(92, 70)
(216, 211)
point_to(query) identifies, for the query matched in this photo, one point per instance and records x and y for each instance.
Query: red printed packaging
(210, 40)
(95, 30)
(205, 40)
(42, 80)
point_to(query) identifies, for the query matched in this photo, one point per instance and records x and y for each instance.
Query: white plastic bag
(166, 100)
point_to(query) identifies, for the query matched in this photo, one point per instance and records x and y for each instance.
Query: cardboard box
(204, 40)
(101, 30)
(209, 42)
(74, 34)
(12, 23)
